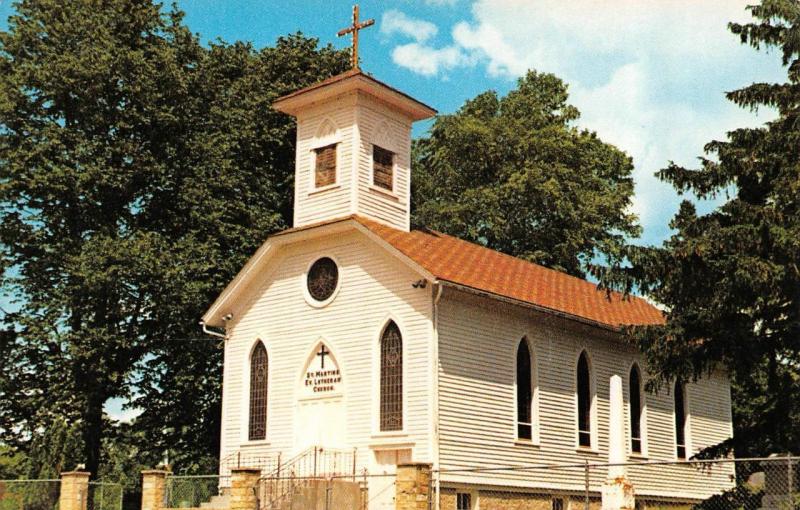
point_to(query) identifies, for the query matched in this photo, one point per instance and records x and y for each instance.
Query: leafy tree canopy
(730, 279)
(138, 170)
(514, 174)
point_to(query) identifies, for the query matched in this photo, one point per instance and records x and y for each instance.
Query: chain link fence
(723, 484)
(29, 494)
(771, 483)
(191, 491)
(104, 496)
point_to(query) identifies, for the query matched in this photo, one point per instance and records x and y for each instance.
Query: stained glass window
(322, 279)
(259, 372)
(584, 402)
(635, 384)
(391, 401)
(680, 419)
(524, 392)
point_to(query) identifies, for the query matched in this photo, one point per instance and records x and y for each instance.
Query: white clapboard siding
(360, 122)
(374, 287)
(478, 339)
(311, 205)
(386, 128)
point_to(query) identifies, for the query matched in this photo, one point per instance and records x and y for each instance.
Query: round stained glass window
(323, 277)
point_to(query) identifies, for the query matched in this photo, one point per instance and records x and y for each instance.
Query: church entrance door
(320, 405)
(321, 423)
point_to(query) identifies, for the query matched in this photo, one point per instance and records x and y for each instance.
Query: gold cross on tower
(354, 30)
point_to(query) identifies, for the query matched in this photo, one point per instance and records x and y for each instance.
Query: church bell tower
(353, 146)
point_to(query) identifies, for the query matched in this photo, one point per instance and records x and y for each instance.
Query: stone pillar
(244, 484)
(153, 489)
(74, 490)
(618, 490)
(413, 486)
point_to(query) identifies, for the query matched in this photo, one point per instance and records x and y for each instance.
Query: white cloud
(115, 409)
(490, 42)
(514, 35)
(420, 56)
(629, 112)
(396, 22)
(647, 75)
(426, 60)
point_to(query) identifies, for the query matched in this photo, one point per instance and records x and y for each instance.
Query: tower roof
(467, 266)
(349, 81)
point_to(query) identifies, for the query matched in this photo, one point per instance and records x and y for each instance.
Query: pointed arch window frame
(643, 408)
(683, 449)
(384, 438)
(534, 394)
(581, 436)
(259, 347)
(380, 429)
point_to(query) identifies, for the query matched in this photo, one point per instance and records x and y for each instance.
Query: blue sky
(648, 75)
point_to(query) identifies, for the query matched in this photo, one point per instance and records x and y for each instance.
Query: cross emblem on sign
(323, 351)
(353, 29)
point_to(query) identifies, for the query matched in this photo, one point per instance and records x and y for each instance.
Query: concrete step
(223, 501)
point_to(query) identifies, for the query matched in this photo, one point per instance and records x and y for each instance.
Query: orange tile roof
(483, 269)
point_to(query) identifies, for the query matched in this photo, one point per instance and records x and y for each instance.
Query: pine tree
(730, 279)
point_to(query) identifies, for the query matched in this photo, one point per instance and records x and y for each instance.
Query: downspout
(224, 337)
(437, 295)
(211, 332)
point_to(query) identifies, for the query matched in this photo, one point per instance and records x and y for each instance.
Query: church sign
(322, 376)
(323, 381)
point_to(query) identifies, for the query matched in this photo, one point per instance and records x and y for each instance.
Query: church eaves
(472, 267)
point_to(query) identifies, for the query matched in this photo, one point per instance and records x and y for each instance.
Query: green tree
(138, 170)
(730, 279)
(11, 463)
(515, 174)
(232, 188)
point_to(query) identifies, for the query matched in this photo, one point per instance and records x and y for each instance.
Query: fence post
(355, 460)
(244, 483)
(364, 491)
(328, 490)
(153, 489)
(412, 486)
(74, 490)
(586, 480)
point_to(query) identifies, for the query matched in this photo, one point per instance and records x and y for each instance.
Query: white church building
(351, 332)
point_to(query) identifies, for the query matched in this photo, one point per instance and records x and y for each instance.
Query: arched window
(584, 387)
(680, 419)
(259, 372)
(391, 405)
(524, 392)
(635, 385)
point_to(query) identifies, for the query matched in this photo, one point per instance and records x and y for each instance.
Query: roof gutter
(211, 332)
(525, 304)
